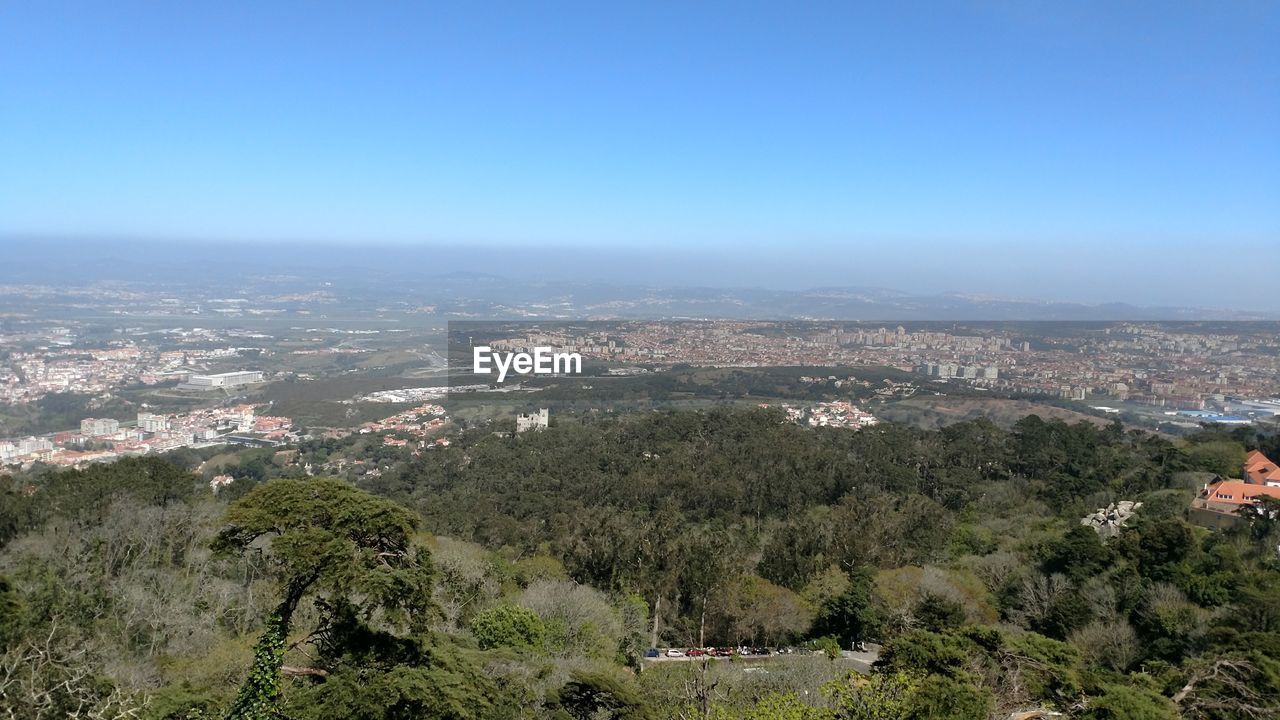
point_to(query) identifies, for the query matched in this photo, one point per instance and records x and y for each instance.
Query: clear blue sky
(1063, 135)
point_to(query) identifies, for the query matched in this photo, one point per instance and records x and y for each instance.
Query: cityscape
(639, 361)
(1173, 375)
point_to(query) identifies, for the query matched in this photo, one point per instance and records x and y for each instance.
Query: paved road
(860, 661)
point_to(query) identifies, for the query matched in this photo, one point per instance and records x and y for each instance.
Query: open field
(935, 411)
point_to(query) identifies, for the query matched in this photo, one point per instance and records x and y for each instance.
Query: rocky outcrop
(1108, 520)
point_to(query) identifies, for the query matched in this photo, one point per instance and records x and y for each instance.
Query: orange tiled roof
(1258, 468)
(1238, 492)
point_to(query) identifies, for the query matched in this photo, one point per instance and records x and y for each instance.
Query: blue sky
(1042, 139)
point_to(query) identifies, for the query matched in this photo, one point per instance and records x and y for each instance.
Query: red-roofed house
(1237, 492)
(1260, 470)
(1219, 503)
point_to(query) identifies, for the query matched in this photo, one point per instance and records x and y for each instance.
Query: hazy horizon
(1084, 152)
(664, 267)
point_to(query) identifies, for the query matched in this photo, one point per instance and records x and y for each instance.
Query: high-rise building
(97, 427)
(34, 444)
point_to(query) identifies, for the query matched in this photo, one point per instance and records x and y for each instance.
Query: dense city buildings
(103, 439)
(837, 414)
(417, 421)
(1226, 373)
(148, 388)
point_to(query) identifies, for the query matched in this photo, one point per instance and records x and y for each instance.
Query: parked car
(674, 653)
(651, 652)
(696, 652)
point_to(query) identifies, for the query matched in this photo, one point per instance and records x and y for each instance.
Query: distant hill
(937, 411)
(880, 304)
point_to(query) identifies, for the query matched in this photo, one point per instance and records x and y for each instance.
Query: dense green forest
(524, 577)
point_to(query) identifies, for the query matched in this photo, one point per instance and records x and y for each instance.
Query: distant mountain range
(828, 303)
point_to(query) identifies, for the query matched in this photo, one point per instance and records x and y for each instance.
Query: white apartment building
(227, 379)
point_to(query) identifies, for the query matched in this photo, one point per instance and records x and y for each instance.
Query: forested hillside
(525, 576)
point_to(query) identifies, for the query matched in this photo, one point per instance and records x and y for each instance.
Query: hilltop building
(533, 421)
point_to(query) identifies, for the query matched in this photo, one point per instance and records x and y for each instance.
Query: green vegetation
(325, 402)
(60, 411)
(57, 412)
(524, 577)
